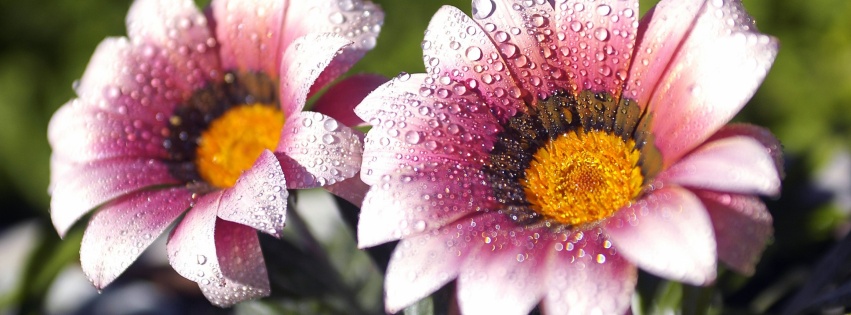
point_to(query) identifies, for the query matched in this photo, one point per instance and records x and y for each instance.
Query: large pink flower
(553, 146)
(204, 112)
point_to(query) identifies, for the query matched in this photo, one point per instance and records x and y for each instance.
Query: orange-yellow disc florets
(583, 177)
(233, 142)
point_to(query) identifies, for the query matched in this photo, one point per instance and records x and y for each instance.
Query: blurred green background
(805, 100)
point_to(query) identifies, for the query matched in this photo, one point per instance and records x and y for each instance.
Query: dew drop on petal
(474, 53)
(601, 34)
(337, 18)
(331, 125)
(604, 9)
(412, 137)
(483, 9)
(202, 259)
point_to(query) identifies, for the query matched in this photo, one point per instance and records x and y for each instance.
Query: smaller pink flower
(202, 115)
(553, 146)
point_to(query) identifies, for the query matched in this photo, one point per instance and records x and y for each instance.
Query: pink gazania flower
(554, 146)
(204, 112)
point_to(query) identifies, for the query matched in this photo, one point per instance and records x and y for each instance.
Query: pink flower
(553, 146)
(204, 112)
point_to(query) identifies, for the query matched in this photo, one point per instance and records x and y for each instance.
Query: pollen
(233, 141)
(582, 177)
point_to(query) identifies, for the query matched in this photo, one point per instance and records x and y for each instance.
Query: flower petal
(224, 258)
(315, 150)
(586, 277)
(249, 34)
(715, 72)
(119, 232)
(506, 271)
(242, 265)
(660, 33)
(410, 203)
(341, 98)
(596, 41)
(461, 55)
(742, 228)
(352, 189)
(420, 265)
(736, 164)
(86, 186)
(667, 233)
(181, 31)
(760, 134)
(302, 63)
(462, 129)
(81, 134)
(259, 197)
(356, 20)
(516, 34)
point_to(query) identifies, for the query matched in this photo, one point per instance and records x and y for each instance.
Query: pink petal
(223, 257)
(182, 31)
(315, 150)
(249, 34)
(141, 80)
(596, 41)
(59, 168)
(588, 276)
(461, 54)
(506, 270)
(760, 134)
(352, 189)
(717, 69)
(89, 185)
(301, 65)
(736, 164)
(742, 228)
(358, 21)
(462, 129)
(410, 203)
(660, 33)
(243, 267)
(259, 197)
(420, 265)
(119, 232)
(81, 134)
(514, 29)
(667, 233)
(340, 100)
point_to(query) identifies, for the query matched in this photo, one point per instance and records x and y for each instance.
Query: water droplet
(331, 125)
(202, 259)
(483, 9)
(508, 50)
(538, 20)
(500, 36)
(474, 53)
(576, 26)
(601, 34)
(412, 137)
(604, 9)
(337, 18)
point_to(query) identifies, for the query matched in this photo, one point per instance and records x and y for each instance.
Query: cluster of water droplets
(357, 20)
(258, 198)
(326, 152)
(595, 42)
(461, 59)
(239, 273)
(717, 66)
(116, 237)
(98, 182)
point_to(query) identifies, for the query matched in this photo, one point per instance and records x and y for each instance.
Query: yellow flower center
(583, 177)
(232, 142)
